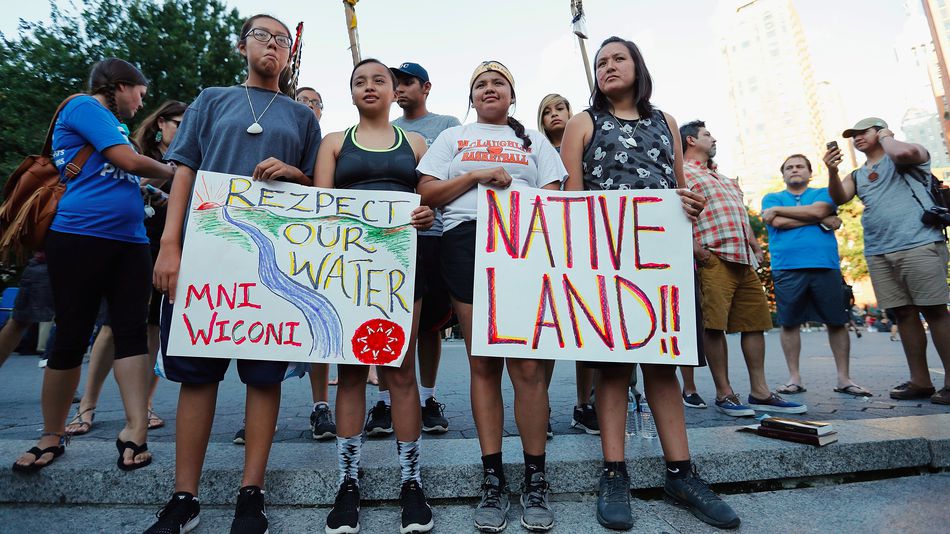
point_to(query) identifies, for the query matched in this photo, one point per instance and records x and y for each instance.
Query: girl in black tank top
(378, 156)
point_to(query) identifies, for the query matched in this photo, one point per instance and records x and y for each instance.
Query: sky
(852, 44)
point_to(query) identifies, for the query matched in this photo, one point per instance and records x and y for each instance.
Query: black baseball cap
(412, 69)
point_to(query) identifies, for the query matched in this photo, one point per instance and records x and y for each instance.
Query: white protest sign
(592, 275)
(277, 271)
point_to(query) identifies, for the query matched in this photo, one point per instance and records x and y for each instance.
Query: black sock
(617, 467)
(491, 464)
(532, 464)
(678, 469)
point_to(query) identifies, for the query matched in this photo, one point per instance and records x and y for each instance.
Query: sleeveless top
(388, 169)
(612, 160)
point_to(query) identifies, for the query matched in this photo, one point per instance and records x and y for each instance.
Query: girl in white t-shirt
(496, 151)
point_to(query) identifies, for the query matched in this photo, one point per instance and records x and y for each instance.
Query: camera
(936, 216)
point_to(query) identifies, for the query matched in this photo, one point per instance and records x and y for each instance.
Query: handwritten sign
(595, 275)
(277, 271)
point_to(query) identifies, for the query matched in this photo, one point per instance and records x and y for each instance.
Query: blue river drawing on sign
(326, 329)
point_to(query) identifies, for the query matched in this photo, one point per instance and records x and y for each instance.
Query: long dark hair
(106, 76)
(283, 79)
(144, 135)
(642, 85)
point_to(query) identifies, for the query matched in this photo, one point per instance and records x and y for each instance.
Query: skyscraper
(938, 19)
(773, 91)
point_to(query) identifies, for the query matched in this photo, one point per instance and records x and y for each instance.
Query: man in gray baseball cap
(904, 244)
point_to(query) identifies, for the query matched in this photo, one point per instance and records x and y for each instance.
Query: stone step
(875, 506)
(305, 474)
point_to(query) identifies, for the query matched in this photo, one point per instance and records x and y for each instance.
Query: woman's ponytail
(519, 131)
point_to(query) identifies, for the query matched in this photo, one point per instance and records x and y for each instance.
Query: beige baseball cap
(862, 125)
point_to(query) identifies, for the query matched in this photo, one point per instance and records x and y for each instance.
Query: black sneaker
(344, 518)
(179, 516)
(321, 423)
(693, 493)
(250, 517)
(238, 437)
(585, 418)
(379, 420)
(613, 501)
(416, 512)
(433, 417)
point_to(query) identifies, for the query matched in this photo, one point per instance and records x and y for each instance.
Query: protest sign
(593, 275)
(278, 271)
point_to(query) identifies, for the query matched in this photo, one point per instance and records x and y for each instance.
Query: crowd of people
(106, 263)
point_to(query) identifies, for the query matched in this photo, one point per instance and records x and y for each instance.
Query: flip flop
(136, 450)
(790, 389)
(854, 390)
(154, 421)
(55, 450)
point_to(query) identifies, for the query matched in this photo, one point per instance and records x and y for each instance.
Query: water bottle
(633, 419)
(647, 423)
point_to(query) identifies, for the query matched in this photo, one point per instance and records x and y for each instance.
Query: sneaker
(344, 518)
(585, 418)
(941, 397)
(550, 432)
(693, 400)
(433, 417)
(731, 405)
(776, 404)
(379, 420)
(250, 517)
(416, 512)
(321, 423)
(693, 494)
(179, 516)
(536, 515)
(238, 437)
(491, 515)
(910, 391)
(613, 501)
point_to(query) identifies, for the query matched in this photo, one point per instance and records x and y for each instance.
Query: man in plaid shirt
(733, 299)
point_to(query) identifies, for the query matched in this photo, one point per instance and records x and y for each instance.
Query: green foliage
(765, 268)
(182, 46)
(851, 241)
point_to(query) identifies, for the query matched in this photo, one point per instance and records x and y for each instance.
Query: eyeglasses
(265, 36)
(315, 102)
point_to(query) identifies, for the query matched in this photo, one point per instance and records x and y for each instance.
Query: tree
(765, 268)
(181, 46)
(851, 241)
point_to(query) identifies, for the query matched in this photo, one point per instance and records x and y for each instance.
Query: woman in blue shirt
(97, 248)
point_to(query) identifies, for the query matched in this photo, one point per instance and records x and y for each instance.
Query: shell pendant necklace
(629, 140)
(255, 127)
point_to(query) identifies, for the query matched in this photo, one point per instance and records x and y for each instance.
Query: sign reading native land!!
(592, 276)
(278, 271)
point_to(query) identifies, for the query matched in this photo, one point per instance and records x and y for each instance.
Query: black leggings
(83, 270)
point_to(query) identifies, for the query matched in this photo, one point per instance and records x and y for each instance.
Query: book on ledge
(797, 437)
(800, 426)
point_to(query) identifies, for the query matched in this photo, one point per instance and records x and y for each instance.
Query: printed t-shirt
(103, 201)
(475, 146)
(805, 247)
(429, 127)
(213, 133)
(891, 217)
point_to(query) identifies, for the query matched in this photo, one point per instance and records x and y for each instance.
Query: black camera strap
(916, 199)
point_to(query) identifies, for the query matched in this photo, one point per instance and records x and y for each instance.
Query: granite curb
(305, 474)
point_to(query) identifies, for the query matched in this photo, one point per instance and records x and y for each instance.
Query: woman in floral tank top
(623, 142)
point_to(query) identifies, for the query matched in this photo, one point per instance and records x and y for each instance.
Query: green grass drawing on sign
(210, 222)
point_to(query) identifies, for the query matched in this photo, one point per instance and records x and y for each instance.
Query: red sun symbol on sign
(378, 341)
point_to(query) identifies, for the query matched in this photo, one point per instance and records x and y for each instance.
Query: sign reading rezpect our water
(594, 275)
(277, 271)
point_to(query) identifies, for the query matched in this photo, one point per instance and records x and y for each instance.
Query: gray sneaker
(537, 515)
(491, 515)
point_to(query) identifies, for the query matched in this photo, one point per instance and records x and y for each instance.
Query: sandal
(854, 390)
(136, 450)
(56, 451)
(791, 389)
(154, 421)
(82, 427)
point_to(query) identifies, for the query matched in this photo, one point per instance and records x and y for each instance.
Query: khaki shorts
(915, 276)
(733, 298)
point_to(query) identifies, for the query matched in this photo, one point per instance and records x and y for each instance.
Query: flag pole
(349, 7)
(580, 30)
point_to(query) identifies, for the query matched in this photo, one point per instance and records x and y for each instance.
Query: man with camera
(904, 244)
(806, 271)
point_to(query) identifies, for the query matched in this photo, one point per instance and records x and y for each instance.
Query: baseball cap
(412, 69)
(862, 125)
